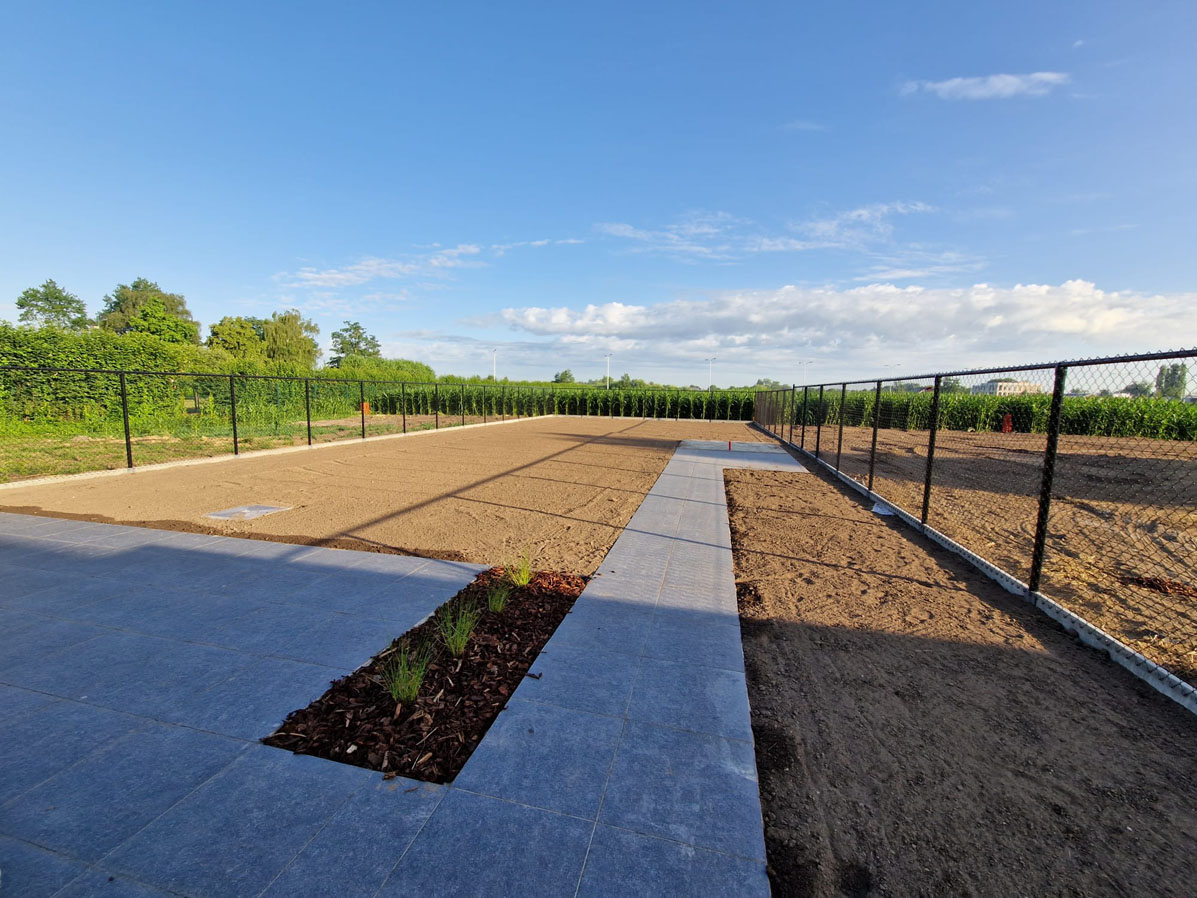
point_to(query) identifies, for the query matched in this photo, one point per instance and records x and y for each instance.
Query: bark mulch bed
(357, 722)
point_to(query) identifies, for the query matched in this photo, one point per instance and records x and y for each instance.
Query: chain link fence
(66, 421)
(1073, 483)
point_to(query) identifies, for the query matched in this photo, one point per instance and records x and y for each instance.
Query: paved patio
(141, 666)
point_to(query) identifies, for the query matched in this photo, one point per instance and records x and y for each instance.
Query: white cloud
(989, 87)
(373, 268)
(804, 125)
(1105, 229)
(501, 249)
(720, 236)
(709, 235)
(854, 331)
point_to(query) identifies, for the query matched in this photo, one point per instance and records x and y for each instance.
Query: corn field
(1110, 416)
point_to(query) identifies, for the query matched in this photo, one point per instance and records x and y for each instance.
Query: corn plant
(403, 673)
(456, 623)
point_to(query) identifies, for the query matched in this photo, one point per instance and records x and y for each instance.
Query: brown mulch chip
(357, 722)
(1164, 585)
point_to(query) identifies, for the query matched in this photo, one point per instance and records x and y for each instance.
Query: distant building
(1007, 388)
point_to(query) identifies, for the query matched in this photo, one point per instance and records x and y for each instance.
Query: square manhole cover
(246, 512)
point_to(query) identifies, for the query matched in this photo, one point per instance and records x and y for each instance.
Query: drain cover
(246, 512)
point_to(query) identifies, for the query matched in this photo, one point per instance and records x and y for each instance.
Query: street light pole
(710, 371)
(608, 358)
(494, 366)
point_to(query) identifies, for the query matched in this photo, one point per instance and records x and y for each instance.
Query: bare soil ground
(1122, 532)
(561, 488)
(920, 731)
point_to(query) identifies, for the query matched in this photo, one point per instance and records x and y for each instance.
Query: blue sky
(917, 185)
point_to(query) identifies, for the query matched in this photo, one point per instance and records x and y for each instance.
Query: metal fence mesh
(55, 421)
(1078, 479)
(1122, 529)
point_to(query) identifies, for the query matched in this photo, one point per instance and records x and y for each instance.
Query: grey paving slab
(680, 812)
(546, 757)
(101, 884)
(624, 864)
(28, 871)
(39, 744)
(238, 831)
(474, 846)
(691, 697)
(689, 787)
(129, 783)
(140, 668)
(254, 700)
(40, 637)
(696, 638)
(16, 703)
(583, 678)
(363, 841)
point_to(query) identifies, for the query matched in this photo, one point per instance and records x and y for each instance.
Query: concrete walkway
(139, 668)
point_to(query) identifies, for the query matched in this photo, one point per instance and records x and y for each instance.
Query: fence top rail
(357, 380)
(1007, 369)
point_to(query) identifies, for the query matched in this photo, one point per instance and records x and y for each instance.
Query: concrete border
(1154, 675)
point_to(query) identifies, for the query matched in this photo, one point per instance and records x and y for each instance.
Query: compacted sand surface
(920, 731)
(559, 488)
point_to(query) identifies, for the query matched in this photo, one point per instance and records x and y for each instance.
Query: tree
(1138, 390)
(952, 385)
(352, 339)
(152, 317)
(242, 338)
(563, 377)
(290, 337)
(123, 314)
(51, 306)
(1170, 382)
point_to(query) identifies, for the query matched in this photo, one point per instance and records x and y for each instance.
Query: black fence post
(802, 432)
(931, 451)
(839, 447)
(503, 401)
(819, 422)
(233, 411)
(484, 403)
(403, 404)
(307, 405)
(710, 399)
(793, 410)
(1049, 473)
(361, 392)
(436, 405)
(462, 400)
(125, 415)
(876, 424)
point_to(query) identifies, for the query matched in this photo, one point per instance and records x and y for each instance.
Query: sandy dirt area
(920, 731)
(559, 488)
(1122, 534)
